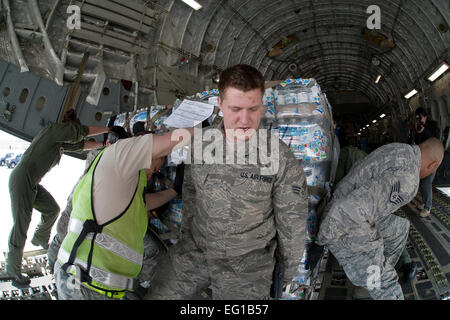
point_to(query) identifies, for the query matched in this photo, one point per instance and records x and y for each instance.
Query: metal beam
(13, 37)
(122, 10)
(107, 40)
(36, 16)
(113, 17)
(113, 34)
(99, 82)
(52, 14)
(138, 7)
(74, 90)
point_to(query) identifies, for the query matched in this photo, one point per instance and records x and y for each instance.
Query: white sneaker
(424, 213)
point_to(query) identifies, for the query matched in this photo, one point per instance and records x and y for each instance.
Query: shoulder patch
(296, 190)
(395, 194)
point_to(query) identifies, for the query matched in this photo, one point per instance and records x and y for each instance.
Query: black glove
(178, 184)
(276, 289)
(111, 121)
(313, 254)
(140, 291)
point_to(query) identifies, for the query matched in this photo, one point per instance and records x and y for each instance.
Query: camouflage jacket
(232, 209)
(379, 184)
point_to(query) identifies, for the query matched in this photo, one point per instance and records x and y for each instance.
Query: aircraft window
(6, 91)
(106, 91)
(23, 95)
(40, 104)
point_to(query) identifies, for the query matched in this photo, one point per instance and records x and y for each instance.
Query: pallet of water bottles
(300, 112)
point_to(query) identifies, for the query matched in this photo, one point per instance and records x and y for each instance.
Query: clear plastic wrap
(301, 96)
(309, 142)
(318, 173)
(303, 118)
(269, 104)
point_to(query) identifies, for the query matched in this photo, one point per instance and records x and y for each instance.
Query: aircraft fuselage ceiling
(105, 57)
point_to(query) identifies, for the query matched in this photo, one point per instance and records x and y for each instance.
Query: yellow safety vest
(108, 256)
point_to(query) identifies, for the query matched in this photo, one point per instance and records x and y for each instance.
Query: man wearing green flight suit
(26, 193)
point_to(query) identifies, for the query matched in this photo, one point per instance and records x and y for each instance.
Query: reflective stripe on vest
(106, 241)
(99, 275)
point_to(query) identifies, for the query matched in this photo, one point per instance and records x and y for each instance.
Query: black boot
(37, 243)
(409, 271)
(20, 281)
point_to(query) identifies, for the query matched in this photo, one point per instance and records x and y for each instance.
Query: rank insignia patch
(395, 194)
(296, 190)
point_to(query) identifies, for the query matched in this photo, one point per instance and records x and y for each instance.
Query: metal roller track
(42, 286)
(435, 270)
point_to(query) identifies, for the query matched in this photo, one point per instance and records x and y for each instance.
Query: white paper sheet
(189, 114)
(213, 101)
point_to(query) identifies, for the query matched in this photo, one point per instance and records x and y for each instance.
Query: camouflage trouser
(154, 251)
(404, 259)
(186, 271)
(361, 266)
(61, 231)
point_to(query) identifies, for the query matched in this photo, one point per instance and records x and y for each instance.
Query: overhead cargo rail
(119, 14)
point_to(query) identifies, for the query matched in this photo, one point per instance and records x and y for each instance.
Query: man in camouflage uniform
(357, 225)
(348, 156)
(235, 216)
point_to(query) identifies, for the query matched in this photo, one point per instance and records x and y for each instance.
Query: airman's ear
(219, 101)
(433, 165)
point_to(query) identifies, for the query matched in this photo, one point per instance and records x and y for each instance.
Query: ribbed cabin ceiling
(165, 47)
(324, 39)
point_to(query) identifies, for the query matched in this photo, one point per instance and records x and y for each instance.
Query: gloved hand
(178, 184)
(112, 137)
(313, 254)
(111, 121)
